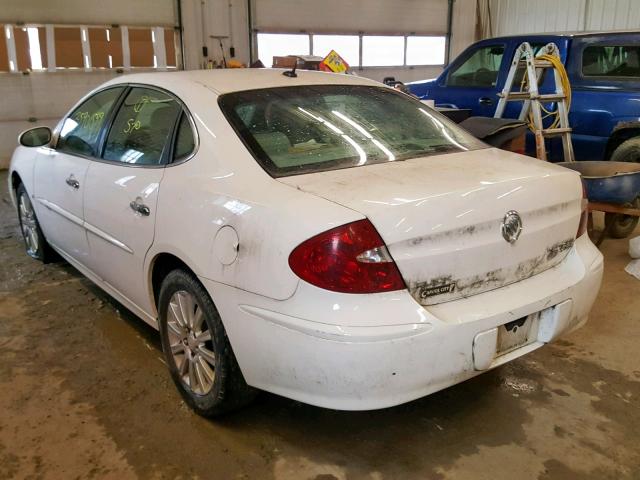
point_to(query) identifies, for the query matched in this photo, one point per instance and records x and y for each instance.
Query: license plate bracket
(518, 333)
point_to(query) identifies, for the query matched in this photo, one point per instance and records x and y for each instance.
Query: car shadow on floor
(476, 408)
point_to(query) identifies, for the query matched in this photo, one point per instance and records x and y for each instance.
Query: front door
(122, 191)
(59, 183)
(60, 174)
(472, 82)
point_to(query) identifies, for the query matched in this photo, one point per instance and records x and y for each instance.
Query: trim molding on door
(87, 226)
(61, 211)
(106, 237)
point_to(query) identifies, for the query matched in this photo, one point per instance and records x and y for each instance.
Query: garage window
(347, 46)
(106, 47)
(141, 47)
(281, 44)
(425, 50)
(75, 47)
(382, 51)
(68, 45)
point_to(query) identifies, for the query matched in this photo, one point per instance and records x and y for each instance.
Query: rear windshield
(303, 129)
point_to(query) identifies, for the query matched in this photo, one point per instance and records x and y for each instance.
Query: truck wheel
(623, 225)
(627, 151)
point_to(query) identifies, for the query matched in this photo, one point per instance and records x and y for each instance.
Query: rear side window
(81, 130)
(142, 128)
(611, 61)
(185, 143)
(304, 129)
(479, 70)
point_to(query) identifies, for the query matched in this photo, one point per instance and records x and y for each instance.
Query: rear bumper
(320, 348)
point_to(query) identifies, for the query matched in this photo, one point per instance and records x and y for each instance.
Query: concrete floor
(84, 393)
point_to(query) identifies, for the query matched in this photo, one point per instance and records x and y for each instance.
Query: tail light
(351, 258)
(584, 216)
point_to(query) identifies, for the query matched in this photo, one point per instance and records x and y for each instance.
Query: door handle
(72, 182)
(485, 101)
(140, 208)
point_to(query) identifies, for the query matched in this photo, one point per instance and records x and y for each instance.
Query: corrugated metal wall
(613, 15)
(527, 16)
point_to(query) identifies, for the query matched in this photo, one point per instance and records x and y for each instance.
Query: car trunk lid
(441, 217)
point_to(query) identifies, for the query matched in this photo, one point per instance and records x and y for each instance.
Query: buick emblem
(511, 226)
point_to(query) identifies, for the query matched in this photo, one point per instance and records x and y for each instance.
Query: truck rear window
(303, 129)
(611, 61)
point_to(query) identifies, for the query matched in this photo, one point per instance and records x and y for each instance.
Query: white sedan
(319, 236)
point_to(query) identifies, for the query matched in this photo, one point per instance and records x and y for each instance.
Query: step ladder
(533, 100)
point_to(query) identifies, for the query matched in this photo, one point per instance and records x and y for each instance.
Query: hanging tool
(219, 38)
(548, 58)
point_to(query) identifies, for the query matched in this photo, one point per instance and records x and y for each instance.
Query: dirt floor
(84, 393)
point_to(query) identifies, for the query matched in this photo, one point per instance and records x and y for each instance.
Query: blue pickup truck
(604, 71)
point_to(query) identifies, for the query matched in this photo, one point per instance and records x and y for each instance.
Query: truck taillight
(351, 258)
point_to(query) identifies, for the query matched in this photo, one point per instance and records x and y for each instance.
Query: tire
(623, 225)
(627, 151)
(35, 244)
(196, 348)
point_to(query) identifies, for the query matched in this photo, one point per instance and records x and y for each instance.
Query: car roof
(570, 34)
(237, 79)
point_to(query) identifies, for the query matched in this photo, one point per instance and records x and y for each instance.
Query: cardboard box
(303, 62)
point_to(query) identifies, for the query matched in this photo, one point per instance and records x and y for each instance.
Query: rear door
(60, 174)
(605, 82)
(473, 80)
(122, 189)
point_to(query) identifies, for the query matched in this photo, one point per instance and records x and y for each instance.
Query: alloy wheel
(29, 225)
(191, 343)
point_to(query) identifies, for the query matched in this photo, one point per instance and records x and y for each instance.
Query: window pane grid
(358, 50)
(77, 47)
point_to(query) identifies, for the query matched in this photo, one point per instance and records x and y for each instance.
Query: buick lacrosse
(319, 236)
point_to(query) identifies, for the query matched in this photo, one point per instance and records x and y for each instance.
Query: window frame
(106, 128)
(466, 56)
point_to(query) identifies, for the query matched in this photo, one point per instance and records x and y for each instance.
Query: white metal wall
(126, 12)
(351, 16)
(527, 16)
(613, 15)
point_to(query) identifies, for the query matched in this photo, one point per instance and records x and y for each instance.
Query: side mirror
(35, 137)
